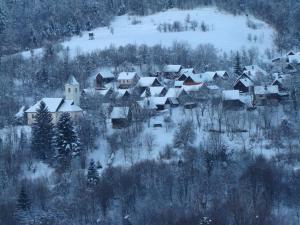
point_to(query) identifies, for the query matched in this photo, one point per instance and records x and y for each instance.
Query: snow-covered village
(159, 112)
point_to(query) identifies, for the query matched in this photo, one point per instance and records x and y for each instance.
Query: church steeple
(72, 90)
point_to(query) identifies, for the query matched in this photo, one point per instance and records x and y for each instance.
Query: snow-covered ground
(226, 32)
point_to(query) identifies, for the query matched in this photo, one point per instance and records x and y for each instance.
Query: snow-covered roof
(253, 70)
(187, 71)
(104, 73)
(159, 100)
(51, 103)
(20, 113)
(294, 58)
(191, 88)
(154, 91)
(268, 89)
(55, 105)
(127, 75)
(245, 81)
(230, 95)
(281, 78)
(213, 87)
(121, 92)
(69, 106)
(72, 81)
(221, 73)
(207, 76)
(146, 81)
(93, 91)
(119, 113)
(197, 78)
(174, 92)
(172, 68)
(178, 83)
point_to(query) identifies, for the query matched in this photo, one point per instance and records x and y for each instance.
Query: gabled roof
(147, 81)
(178, 83)
(191, 88)
(56, 105)
(127, 75)
(104, 73)
(93, 91)
(264, 90)
(221, 73)
(72, 81)
(119, 113)
(159, 100)
(294, 58)
(253, 70)
(245, 81)
(174, 92)
(154, 91)
(51, 103)
(207, 76)
(187, 71)
(69, 106)
(122, 92)
(172, 68)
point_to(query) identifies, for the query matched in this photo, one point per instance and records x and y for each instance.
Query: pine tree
(93, 175)
(42, 133)
(66, 141)
(23, 202)
(237, 66)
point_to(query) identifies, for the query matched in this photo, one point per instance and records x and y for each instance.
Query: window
(69, 90)
(75, 90)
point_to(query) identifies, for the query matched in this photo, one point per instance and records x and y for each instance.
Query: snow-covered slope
(226, 32)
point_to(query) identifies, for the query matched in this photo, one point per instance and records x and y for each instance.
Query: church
(56, 106)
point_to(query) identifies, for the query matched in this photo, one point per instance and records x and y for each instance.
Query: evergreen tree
(93, 175)
(66, 141)
(237, 66)
(42, 133)
(23, 202)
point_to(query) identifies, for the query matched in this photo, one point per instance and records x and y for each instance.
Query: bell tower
(72, 90)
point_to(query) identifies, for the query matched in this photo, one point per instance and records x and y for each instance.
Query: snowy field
(225, 31)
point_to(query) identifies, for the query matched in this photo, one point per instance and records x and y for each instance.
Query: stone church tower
(72, 91)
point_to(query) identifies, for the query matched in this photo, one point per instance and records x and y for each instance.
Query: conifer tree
(237, 66)
(66, 141)
(23, 202)
(42, 133)
(93, 175)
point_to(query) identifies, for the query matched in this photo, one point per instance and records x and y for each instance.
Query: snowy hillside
(225, 31)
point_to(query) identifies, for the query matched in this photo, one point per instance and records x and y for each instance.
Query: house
(123, 94)
(161, 103)
(268, 94)
(283, 81)
(106, 93)
(56, 106)
(171, 71)
(194, 79)
(243, 84)
(254, 73)
(177, 96)
(198, 92)
(185, 72)
(146, 82)
(295, 59)
(155, 92)
(100, 78)
(127, 79)
(233, 100)
(209, 77)
(222, 74)
(120, 117)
